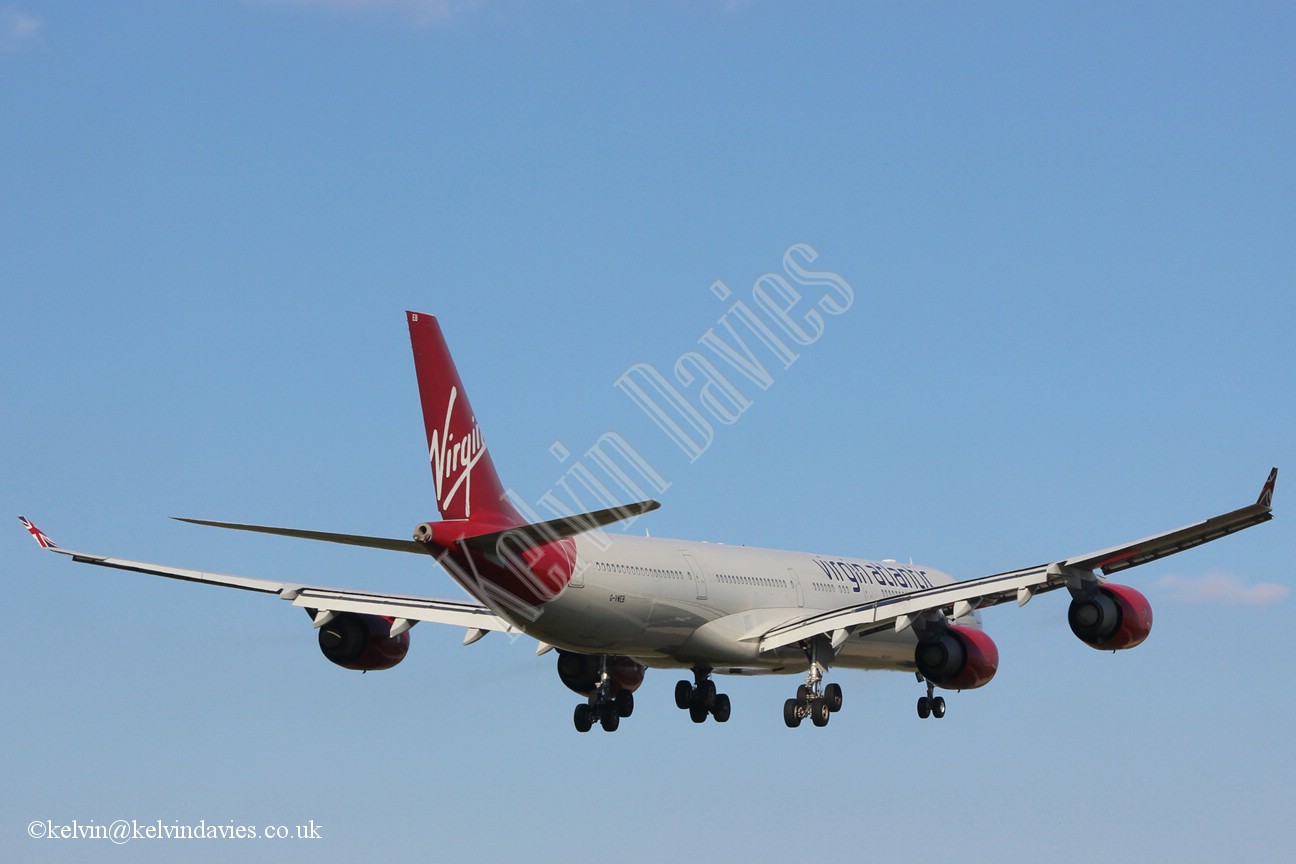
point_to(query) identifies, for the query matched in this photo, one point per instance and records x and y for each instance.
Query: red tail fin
(467, 486)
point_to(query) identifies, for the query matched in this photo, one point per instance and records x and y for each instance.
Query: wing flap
(898, 611)
(469, 615)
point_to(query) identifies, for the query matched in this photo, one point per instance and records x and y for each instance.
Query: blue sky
(1068, 232)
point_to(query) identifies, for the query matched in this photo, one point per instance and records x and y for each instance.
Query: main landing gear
(700, 698)
(929, 705)
(812, 702)
(604, 706)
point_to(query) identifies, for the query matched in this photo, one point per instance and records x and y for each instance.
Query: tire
(938, 707)
(833, 696)
(625, 703)
(803, 694)
(611, 720)
(683, 695)
(706, 694)
(697, 713)
(924, 707)
(583, 718)
(720, 710)
(819, 712)
(791, 713)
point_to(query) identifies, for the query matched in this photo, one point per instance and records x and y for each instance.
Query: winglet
(1266, 494)
(45, 542)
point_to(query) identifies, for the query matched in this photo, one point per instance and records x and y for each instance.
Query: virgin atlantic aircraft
(613, 605)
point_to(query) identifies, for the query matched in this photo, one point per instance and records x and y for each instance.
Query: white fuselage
(677, 603)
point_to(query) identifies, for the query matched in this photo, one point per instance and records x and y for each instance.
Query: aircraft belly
(673, 620)
(602, 617)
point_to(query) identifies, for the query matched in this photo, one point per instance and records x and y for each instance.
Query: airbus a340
(612, 605)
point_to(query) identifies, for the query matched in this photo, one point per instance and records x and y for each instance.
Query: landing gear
(818, 705)
(700, 698)
(605, 707)
(929, 705)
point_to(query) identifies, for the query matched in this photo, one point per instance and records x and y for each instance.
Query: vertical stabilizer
(467, 487)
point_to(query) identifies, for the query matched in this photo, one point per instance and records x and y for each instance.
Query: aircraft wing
(960, 598)
(405, 610)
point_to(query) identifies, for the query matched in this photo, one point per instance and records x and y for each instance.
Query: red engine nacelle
(1111, 618)
(362, 642)
(580, 672)
(957, 658)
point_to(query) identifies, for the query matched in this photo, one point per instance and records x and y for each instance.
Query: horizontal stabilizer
(539, 533)
(445, 533)
(347, 539)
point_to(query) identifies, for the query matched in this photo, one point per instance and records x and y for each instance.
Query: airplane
(614, 605)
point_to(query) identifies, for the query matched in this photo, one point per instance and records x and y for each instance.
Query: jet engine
(580, 672)
(362, 642)
(957, 658)
(1111, 617)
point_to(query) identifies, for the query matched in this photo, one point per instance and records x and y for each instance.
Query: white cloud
(1223, 588)
(18, 30)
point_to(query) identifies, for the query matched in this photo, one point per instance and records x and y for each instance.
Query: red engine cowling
(361, 642)
(1111, 618)
(957, 658)
(580, 672)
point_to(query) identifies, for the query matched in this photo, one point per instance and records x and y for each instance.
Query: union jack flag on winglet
(1266, 494)
(45, 542)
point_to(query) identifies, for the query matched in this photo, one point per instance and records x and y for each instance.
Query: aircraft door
(699, 578)
(796, 583)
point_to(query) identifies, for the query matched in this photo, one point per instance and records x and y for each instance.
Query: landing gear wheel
(609, 718)
(804, 694)
(924, 707)
(705, 694)
(624, 703)
(698, 713)
(683, 695)
(720, 710)
(938, 707)
(792, 713)
(819, 712)
(833, 697)
(583, 718)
